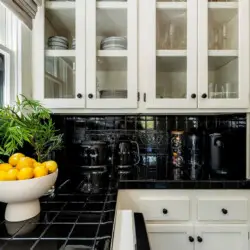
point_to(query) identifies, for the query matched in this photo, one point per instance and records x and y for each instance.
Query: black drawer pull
(204, 95)
(224, 211)
(79, 95)
(199, 239)
(165, 211)
(191, 239)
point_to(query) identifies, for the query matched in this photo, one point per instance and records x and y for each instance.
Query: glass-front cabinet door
(171, 48)
(111, 54)
(223, 53)
(62, 80)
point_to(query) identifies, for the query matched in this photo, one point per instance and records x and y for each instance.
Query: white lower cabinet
(221, 237)
(192, 220)
(198, 237)
(170, 237)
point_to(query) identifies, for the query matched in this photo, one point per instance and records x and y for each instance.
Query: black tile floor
(70, 220)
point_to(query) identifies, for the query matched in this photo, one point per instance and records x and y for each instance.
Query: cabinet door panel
(58, 71)
(212, 209)
(223, 58)
(178, 209)
(170, 237)
(222, 237)
(171, 49)
(111, 54)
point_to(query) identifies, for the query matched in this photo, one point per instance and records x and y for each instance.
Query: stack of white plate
(114, 43)
(73, 43)
(58, 42)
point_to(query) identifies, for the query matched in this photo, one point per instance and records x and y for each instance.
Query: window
(9, 51)
(4, 75)
(2, 80)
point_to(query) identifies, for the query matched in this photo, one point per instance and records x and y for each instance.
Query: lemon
(14, 159)
(38, 164)
(2, 175)
(51, 166)
(34, 161)
(5, 167)
(40, 171)
(25, 162)
(25, 173)
(11, 175)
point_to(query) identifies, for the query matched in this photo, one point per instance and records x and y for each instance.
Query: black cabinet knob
(204, 95)
(199, 239)
(224, 211)
(193, 96)
(79, 95)
(90, 96)
(191, 239)
(165, 211)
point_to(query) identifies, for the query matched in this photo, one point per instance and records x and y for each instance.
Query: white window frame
(11, 49)
(7, 74)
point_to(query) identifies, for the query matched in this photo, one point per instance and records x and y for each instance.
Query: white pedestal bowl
(23, 196)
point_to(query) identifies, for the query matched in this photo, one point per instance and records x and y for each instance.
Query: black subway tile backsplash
(153, 134)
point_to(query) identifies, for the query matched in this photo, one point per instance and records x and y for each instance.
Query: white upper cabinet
(111, 54)
(171, 49)
(181, 33)
(168, 54)
(60, 74)
(223, 54)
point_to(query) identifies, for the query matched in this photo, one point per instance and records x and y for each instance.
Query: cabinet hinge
(248, 236)
(144, 97)
(138, 96)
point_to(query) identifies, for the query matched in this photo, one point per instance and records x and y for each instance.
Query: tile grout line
(46, 229)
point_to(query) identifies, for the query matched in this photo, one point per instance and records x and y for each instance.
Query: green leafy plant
(27, 121)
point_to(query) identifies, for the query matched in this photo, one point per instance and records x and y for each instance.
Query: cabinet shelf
(223, 53)
(67, 55)
(112, 53)
(60, 53)
(171, 53)
(223, 5)
(60, 5)
(171, 6)
(111, 5)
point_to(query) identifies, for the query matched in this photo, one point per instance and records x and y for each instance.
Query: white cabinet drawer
(222, 209)
(165, 208)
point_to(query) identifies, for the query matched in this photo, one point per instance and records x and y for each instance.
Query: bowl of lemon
(23, 181)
